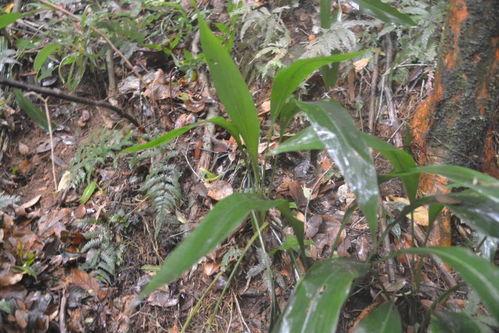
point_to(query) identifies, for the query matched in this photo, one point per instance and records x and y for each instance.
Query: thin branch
(59, 94)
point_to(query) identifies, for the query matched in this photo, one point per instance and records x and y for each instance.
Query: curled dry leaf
(360, 64)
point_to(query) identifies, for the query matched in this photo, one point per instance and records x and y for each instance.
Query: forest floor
(55, 287)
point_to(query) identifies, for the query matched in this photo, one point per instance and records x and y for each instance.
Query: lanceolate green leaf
(337, 131)
(87, 193)
(464, 177)
(384, 12)
(43, 55)
(9, 18)
(474, 209)
(456, 322)
(290, 78)
(319, 297)
(384, 319)
(179, 131)
(220, 222)
(461, 177)
(231, 89)
(476, 271)
(400, 161)
(37, 115)
(303, 140)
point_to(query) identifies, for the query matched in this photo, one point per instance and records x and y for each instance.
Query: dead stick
(59, 94)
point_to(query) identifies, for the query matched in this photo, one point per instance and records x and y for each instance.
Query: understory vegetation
(225, 99)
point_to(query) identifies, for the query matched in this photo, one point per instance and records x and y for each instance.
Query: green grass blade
(317, 301)
(290, 78)
(220, 222)
(37, 115)
(336, 130)
(179, 131)
(384, 12)
(231, 89)
(384, 319)
(476, 271)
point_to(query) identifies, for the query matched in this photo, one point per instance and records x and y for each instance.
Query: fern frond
(7, 200)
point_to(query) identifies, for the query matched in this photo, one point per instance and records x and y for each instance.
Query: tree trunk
(456, 124)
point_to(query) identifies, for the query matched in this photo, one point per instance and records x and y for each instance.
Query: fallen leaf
(86, 282)
(23, 149)
(65, 181)
(219, 189)
(162, 298)
(8, 279)
(360, 64)
(420, 214)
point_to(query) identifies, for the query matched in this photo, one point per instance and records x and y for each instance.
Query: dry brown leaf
(8, 279)
(219, 189)
(420, 214)
(210, 267)
(86, 282)
(23, 149)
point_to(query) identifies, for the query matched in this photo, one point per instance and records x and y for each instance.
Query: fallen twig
(59, 94)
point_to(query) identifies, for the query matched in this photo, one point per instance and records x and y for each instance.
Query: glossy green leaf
(456, 322)
(297, 225)
(384, 319)
(384, 12)
(44, 54)
(37, 115)
(476, 210)
(179, 131)
(287, 114)
(329, 74)
(464, 177)
(476, 271)
(336, 130)
(461, 177)
(87, 193)
(231, 89)
(9, 18)
(291, 77)
(303, 140)
(220, 222)
(400, 161)
(317, 301)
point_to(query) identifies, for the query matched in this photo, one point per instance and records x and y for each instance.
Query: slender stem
(195, 309)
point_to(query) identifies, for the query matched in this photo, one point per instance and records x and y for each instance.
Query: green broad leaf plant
(319, 296)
